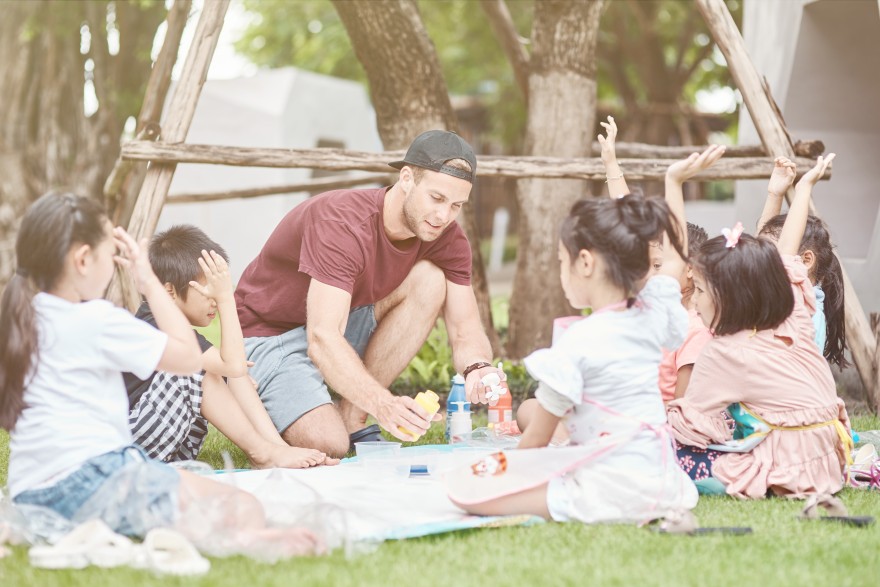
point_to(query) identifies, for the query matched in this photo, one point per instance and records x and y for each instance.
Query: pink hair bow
(732, 235)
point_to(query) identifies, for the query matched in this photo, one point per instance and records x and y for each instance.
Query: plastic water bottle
(458, 411)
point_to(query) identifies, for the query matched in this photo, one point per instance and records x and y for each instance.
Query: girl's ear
(586, 263)
(809, 259)
(171, 291)
(81, 258)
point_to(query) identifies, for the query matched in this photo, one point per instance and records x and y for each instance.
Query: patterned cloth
(167, 420)
(696, 462)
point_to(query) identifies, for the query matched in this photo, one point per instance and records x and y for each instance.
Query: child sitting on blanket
(763, 359)
(169, 413)
(818, 256)
(600, 379)
(62, 354)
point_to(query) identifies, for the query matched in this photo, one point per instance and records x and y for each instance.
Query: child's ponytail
(50, 227)
(831, 279)
(18, 345)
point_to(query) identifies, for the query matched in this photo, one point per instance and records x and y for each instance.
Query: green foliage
(309, 34)
(431, 368)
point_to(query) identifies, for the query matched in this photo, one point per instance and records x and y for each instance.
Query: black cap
(433, 148)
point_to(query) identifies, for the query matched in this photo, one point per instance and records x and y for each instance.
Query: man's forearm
(344, 371)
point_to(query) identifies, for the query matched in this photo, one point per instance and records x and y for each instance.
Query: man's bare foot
(291, 457)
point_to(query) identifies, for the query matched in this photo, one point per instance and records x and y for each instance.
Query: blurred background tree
(71, 75)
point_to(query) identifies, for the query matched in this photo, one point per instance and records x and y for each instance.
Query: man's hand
(784, 171)
(403, 412)
(683, 170)
(476, 391)
(218, 281)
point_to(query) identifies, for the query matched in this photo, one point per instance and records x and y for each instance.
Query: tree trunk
(561, 120)
(409, 94)
(46, 140)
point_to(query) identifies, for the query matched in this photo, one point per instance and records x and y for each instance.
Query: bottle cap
(458, 380)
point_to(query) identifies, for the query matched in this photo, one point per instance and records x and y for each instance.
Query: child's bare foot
(291, 457)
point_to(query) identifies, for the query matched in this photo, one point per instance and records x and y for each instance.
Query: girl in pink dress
(758, 301)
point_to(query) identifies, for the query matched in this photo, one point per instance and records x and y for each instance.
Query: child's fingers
(219, 261)
(205, 269)
(601, 139)
(122, 261)
(209, 261)
(199, 288)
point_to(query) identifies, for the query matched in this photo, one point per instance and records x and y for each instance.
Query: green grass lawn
(781, 551)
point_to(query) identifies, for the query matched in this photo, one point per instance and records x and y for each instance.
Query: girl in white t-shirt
(600, 379)
(63, 350)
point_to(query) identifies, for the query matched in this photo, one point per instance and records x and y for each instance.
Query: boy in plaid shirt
(169, 414)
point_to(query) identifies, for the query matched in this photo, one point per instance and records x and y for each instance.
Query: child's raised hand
(607, 142)
(132, 256)
(218, 282)
(784, 172)
(683, 170)
(813, 176)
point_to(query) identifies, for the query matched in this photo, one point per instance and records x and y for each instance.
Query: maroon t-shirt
(337, 238)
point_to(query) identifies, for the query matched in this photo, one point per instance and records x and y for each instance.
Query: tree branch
(512, 44)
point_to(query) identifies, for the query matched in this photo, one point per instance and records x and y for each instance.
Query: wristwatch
(474, 367)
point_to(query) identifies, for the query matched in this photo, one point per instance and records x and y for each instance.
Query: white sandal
(91, 542)
(168, 552)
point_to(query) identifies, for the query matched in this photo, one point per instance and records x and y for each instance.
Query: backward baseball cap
(433, 148)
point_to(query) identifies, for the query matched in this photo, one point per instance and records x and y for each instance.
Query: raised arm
(796, 222)
(230, 360)
(784, 171)
(613, 175)
(676, 175)
(182, 354)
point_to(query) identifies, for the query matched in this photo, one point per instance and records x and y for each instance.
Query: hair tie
(732, 235)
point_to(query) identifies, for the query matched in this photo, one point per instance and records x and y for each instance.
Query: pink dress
(781, 376)
(697, 337)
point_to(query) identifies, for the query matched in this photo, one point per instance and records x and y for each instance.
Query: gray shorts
(288, 382)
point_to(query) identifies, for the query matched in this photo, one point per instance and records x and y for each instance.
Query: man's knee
(427, 284)
(321, 429)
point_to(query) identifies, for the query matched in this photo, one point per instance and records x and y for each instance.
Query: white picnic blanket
(349, 503)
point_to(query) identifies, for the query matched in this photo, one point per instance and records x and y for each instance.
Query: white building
(274, 108)
(821, 59)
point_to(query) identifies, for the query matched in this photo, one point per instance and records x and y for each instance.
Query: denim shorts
(288, 382)
(127, 490)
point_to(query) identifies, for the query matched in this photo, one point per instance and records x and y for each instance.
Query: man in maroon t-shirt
(347, 289)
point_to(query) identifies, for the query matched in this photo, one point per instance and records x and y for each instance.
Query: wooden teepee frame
(650, 162)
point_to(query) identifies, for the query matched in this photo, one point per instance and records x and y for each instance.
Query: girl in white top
(62, 353)
(601, 379)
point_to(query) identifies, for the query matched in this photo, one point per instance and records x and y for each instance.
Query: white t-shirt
(77, 407)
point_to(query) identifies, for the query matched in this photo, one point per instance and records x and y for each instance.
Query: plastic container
(365, 450)
(500, 400)
(430, 401)
(458, 411)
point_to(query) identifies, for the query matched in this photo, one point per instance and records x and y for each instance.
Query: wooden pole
(180, 113)
(314, 186)
(520, 167)
(771, 129)
(150, 114)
